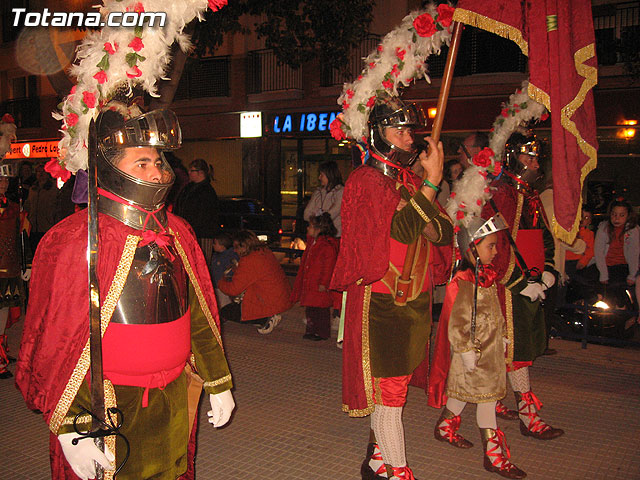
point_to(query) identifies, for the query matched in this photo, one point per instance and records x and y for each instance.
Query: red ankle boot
(528, 404)
(497, 455)
(447, 432)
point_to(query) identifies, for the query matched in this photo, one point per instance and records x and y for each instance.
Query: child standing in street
(311, 287)
(474, 362)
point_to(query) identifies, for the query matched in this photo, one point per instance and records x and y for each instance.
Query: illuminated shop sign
(33, 150)
(302, 122)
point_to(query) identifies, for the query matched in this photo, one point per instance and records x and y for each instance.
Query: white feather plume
(472, 191)
(151, 64)
(388, 62)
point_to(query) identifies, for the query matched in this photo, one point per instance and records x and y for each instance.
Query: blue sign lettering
(322, 121)
(287, 124)
(311, 122)
(308, 122)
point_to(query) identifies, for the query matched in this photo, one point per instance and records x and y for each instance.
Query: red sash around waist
(148, 356)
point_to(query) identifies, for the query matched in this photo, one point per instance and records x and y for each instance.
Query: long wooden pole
(405, 278)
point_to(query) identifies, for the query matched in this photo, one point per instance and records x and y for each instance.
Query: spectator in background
(617, 246)
(311, 287)
(328, 196)
(579, 261)
(223, 259)
(41, 205)
(260, 282)
(198, 205)
(182, 179)
(470, 146)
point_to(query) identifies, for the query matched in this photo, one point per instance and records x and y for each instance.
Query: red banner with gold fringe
(558, 38)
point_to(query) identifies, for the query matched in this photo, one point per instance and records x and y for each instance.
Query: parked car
(241, 213)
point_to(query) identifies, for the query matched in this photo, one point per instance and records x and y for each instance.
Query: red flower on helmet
(216, 5)
(71, 119)
(111, 49)
(371, 102)
(134, 72)
(56, 170)
(460, 215)
(483, 157)
(445, 14)
(100, 77)
(136, 44)
(336, 129)
(89, 99)
(424, 25)
(388, 84)
(7, 118)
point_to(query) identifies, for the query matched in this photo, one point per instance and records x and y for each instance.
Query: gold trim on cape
(590, 75)
(198, 290)
(106, 311)
(366, 361)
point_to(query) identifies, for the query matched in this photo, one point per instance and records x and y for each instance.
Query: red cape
(56, 324)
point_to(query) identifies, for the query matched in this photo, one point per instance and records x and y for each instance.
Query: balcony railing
(25, 111)
(204, 77)
(266, 74)
(617, 29)
(332, 76)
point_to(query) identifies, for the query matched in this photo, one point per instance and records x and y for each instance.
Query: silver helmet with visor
(520, 144)
(476, 229)
(121, 127)
(392, 112)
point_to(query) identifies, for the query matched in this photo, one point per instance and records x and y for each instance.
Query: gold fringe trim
(366, 360)
(110, 441)
(198, 290)
(539, 95)
(509, 320)
(489, 24)
(106, 311)
(590, 75)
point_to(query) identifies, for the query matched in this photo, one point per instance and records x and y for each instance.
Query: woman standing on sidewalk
(328, 197)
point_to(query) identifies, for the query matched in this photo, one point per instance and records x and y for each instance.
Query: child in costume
(314, 275)
(472, 321)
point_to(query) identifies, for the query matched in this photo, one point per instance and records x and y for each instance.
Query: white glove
(469, 360)
(26, 275)
(548, 280)
(81, 457)
(534, 291)
(222, 404)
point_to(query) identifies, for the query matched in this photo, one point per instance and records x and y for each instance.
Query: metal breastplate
(155, 290)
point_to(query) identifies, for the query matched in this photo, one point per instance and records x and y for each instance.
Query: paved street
(288, 423)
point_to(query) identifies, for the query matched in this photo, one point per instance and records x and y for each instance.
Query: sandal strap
(449, 430)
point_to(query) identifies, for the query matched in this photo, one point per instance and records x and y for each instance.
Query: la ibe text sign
(300, 123)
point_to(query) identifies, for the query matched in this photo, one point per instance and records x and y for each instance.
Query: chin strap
(162, 238)
(406, 175)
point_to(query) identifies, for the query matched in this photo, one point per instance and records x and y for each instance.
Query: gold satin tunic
(488, 381)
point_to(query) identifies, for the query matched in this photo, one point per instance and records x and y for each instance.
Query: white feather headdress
(116, 56)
